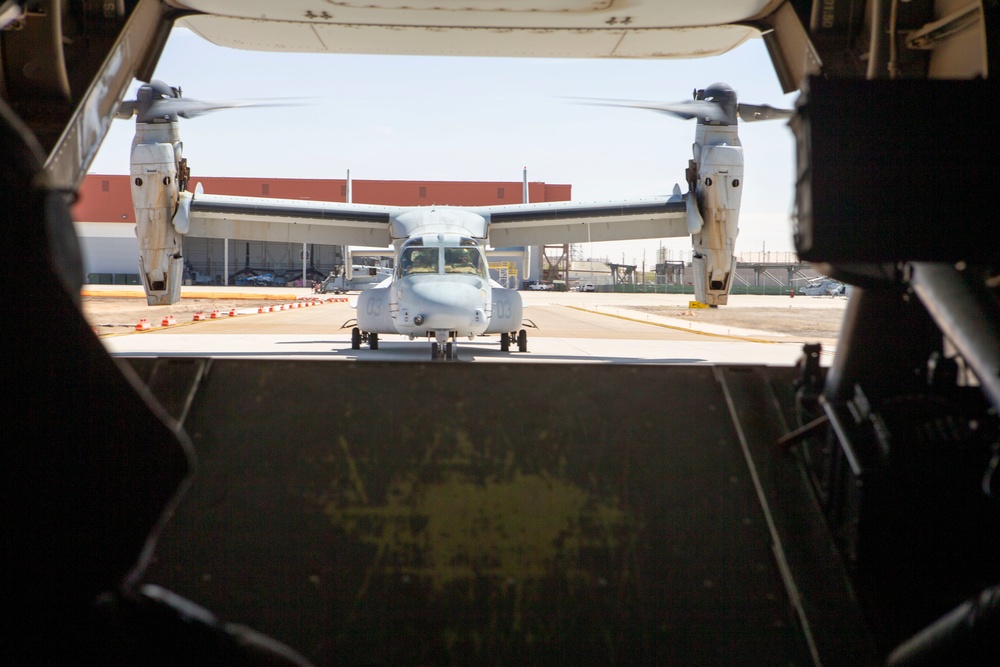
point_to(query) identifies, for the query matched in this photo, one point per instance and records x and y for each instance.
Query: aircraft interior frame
(724, 514)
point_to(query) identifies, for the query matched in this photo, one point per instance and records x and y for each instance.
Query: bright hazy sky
(479, 119)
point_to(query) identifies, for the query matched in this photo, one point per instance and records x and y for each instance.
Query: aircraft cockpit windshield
(464, 259)
(460, 256)
(418, 260)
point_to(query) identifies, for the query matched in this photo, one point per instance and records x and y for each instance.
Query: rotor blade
(686, 109)
(178, 107)
(194, 108)
(126, 110)
(752, 112)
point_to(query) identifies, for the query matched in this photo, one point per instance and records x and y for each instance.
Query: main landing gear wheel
(373, 341)
(355, 338)
(505, 342)
(522, 341)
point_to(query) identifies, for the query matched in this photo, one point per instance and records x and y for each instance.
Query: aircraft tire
(355, 338)
(373, 341)
(522, 341)
(434, 351)
(449, 351)
(505, 342)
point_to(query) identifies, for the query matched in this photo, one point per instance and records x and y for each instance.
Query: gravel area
(798, 322)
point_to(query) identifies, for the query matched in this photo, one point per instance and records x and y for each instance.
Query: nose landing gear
(443, 351)
(444, 346)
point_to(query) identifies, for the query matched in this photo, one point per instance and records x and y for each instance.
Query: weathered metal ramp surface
(476, 514)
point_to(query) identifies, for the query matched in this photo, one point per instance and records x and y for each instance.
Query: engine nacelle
(154, 194)
(374, 314)
(508, 311)
(719, 189)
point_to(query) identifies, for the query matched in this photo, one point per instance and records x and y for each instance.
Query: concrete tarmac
(568, 328)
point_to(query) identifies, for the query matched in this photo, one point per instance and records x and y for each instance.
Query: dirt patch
(111, 315)
(798, 322)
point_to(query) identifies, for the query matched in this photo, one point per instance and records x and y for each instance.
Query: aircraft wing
(284, 220)
(582, 222)
(337, 223)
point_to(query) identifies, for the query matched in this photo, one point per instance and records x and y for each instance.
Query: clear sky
(449, 118)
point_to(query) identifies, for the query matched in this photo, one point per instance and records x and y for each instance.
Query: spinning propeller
(714, 105)
(156, 102)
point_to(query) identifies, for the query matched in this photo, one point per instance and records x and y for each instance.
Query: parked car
(588, 287)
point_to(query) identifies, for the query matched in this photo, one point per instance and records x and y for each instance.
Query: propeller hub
(724, 97)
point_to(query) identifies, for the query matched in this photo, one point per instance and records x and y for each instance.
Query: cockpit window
(418, 260)
(462, 260)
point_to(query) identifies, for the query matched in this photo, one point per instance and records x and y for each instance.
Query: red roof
(108, 198)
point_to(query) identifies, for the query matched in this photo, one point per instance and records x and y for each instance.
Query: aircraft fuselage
(441, 289)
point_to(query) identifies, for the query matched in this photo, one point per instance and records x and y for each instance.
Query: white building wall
(112, 248)
(108, 247)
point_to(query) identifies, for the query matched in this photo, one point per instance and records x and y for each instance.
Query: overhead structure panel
(257, 35)
(557, 29)
(682, 42)
(514, 13)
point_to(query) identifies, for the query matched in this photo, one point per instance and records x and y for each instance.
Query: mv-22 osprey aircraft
(441, 286)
